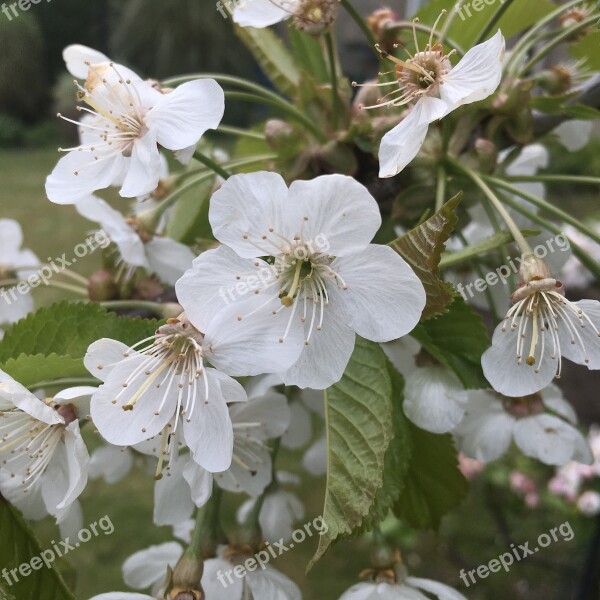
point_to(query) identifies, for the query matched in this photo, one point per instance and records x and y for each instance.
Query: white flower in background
(43, 459)
(574, 134)
(434, 397)
(262, 13)
(412, 588)
(325, 279)
(163, 384)
(436, 88)
(541, 327)
(573, 274)
(589, 503)
(187, 485)
(492, 423)
(125, 119)
(137, 248)
(111, 463)
(567, 481)
(148, 568)
(15, 263)
(280, 512)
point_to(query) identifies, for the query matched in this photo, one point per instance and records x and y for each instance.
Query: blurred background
(159, 38)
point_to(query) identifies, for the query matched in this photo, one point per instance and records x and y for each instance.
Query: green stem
(50, 283)
(287, 108)
(400, 25)
(440, 194)
(240, 132)
(211, 164)
(335, 98)
(63, 383)
(497, 16)
(207, 533)
(548, 47)
(577, 179)
(154, 307)
(360, 22)
(544, 205)
(489, 194)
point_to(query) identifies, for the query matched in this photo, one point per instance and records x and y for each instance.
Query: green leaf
(19, 547)
(457, 339)
(359, 430)
(396, 463)
(433, 484)
(308, 52)
(274, 58)
(581, 111)
(189, 217)
(29, 369)
(422, 249)
(587, 48)
(495, 241)
(68, 328)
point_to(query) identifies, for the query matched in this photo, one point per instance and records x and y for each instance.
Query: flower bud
(102, 286)
(487, 155)
(278, 133)
(337, 157)
(316, 16)
(186, 578)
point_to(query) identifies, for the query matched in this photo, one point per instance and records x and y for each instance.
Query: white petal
(168, 259)
(325, 358)
(271, 411)
(79, 397)
(247, 206)
(76, 56)
(299, 431)
(143, 169)
(110, 462)
(443, 592)
(200, 482)
(400, 145)
(571, 346)
(216, 585)
(22, 398)
(251, 477)
(547, 438)
(30, 503)
(315, 458)
(402, 353)
(574, 135)
(218, 278)
(14, 306)
(11, 239)
(102, 356)
(181, 118)
(207, 430)
(70, 520)
(64, 187)
(530, 160)
(434, 399)
(280, 512)
(252, 346)
(122, 596)
(505, 374)
(270, 584)
(172, 498)
(335, 213)
(553, 398)
(232, 391)
(477, 75)
(262, 13)
(384, 298)
(145, 568)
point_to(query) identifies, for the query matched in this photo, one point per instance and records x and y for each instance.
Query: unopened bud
(379, 20)
(337, 157)
(186, 578)
(487, 155)
(102, 286)
(171, 309)
(278, 133)
(316, 16)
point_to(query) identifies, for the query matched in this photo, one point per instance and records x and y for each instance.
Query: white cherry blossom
(433, 87)
(411, 588)
(137, 248)
(43, 459)
(124, 121)
(323, 276)
(542, 425)
(262, 13)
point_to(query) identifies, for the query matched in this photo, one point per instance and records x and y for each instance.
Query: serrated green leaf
(494, 242)
(68, 328)
(396, 463)
(457, 339)
(29, 369)
(434, 485)
(359, 429)
(274, 58)
(189, 218)
(422, 249)
(18, 547)
(308, 52)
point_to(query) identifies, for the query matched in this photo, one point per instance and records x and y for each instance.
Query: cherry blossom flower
(43, 459)
(137, 248)
(323, 276)
(411, 588)
(162, 384)
(428, 81)
(125, 119)
(541, 327)
(589, 503)
(492, 423)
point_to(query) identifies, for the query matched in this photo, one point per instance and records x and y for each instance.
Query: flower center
(526, 406)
